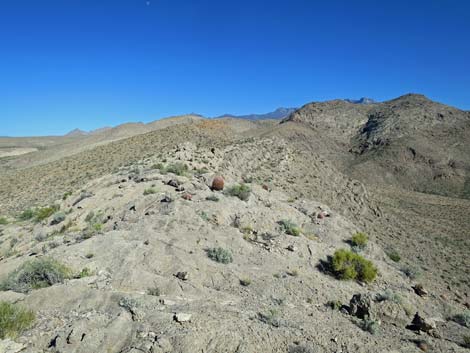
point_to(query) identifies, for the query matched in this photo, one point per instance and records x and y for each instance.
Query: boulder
(360, 306)
(420, 323)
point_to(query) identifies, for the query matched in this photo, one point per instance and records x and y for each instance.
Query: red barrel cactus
(218, 183)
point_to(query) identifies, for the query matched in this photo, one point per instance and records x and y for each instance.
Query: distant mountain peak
(279, 113)
(363, 100)
(76, 132)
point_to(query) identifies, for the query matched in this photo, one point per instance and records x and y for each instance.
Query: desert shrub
(158, 166)
(388, 295)
(177, 168)
(14, 320)
(245, 282)
(359, 240)
(34, 274)
(150, 191)
(43, 213)
(463, 318)
(13, 241)
(290, 227)
(86, 272)
(3, 221)
(212, 198)
(220, 255)
(334, 304)
(89, 216)
(204, 216)
(293, 273)
(242, 191)
(200, 171)
(393, 255)
(89, 255)
(95, 224)
(66, 195)
(411, 272)
(270, 317)
(26, 215)
(370, 326)
(155, 291)
(349, 265)
(466, 341)
(58, 217)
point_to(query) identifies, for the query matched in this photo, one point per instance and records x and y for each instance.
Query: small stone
(218, 183)
(182, 276)
(423, 346)
(166, 199)
(174, 183)
(291, 247)
(167, 302)
(419, 289)
(182, 317)
(186, 196)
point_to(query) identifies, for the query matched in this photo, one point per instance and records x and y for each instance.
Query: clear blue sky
(91, 63)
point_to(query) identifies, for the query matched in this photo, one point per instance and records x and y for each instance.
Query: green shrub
(89, 217)
(150, 191)
(245, 282)
(158, 166)
(43, 213)
(463, 318)
(14, 320)
(370, 326)
(349, 265)
(411, 272)
(66, 195)
(388, 295)
(26, 215)
(359, 240)
(241, 191)
(466, 341)
(334, 304)
(394, 255)
(220, 255)
(271, 317)
(34, 274)
(155, 291)
(177, 168)
(3, 221)
(212, 198)
(86, 272)
(290, 227)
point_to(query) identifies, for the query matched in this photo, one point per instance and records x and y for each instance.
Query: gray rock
(360, 305)
(9, 346)
(182, 317)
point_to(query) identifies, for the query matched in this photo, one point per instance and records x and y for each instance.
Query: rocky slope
(138, 231)
(150, 286)
(411, 142)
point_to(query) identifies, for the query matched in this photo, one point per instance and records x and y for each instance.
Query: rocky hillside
(152, 258)
(411, 142)
(231, 235)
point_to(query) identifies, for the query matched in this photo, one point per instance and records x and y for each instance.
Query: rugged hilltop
(410, 141)
(127, 246)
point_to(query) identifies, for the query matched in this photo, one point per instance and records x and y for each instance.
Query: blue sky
(92, 63)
